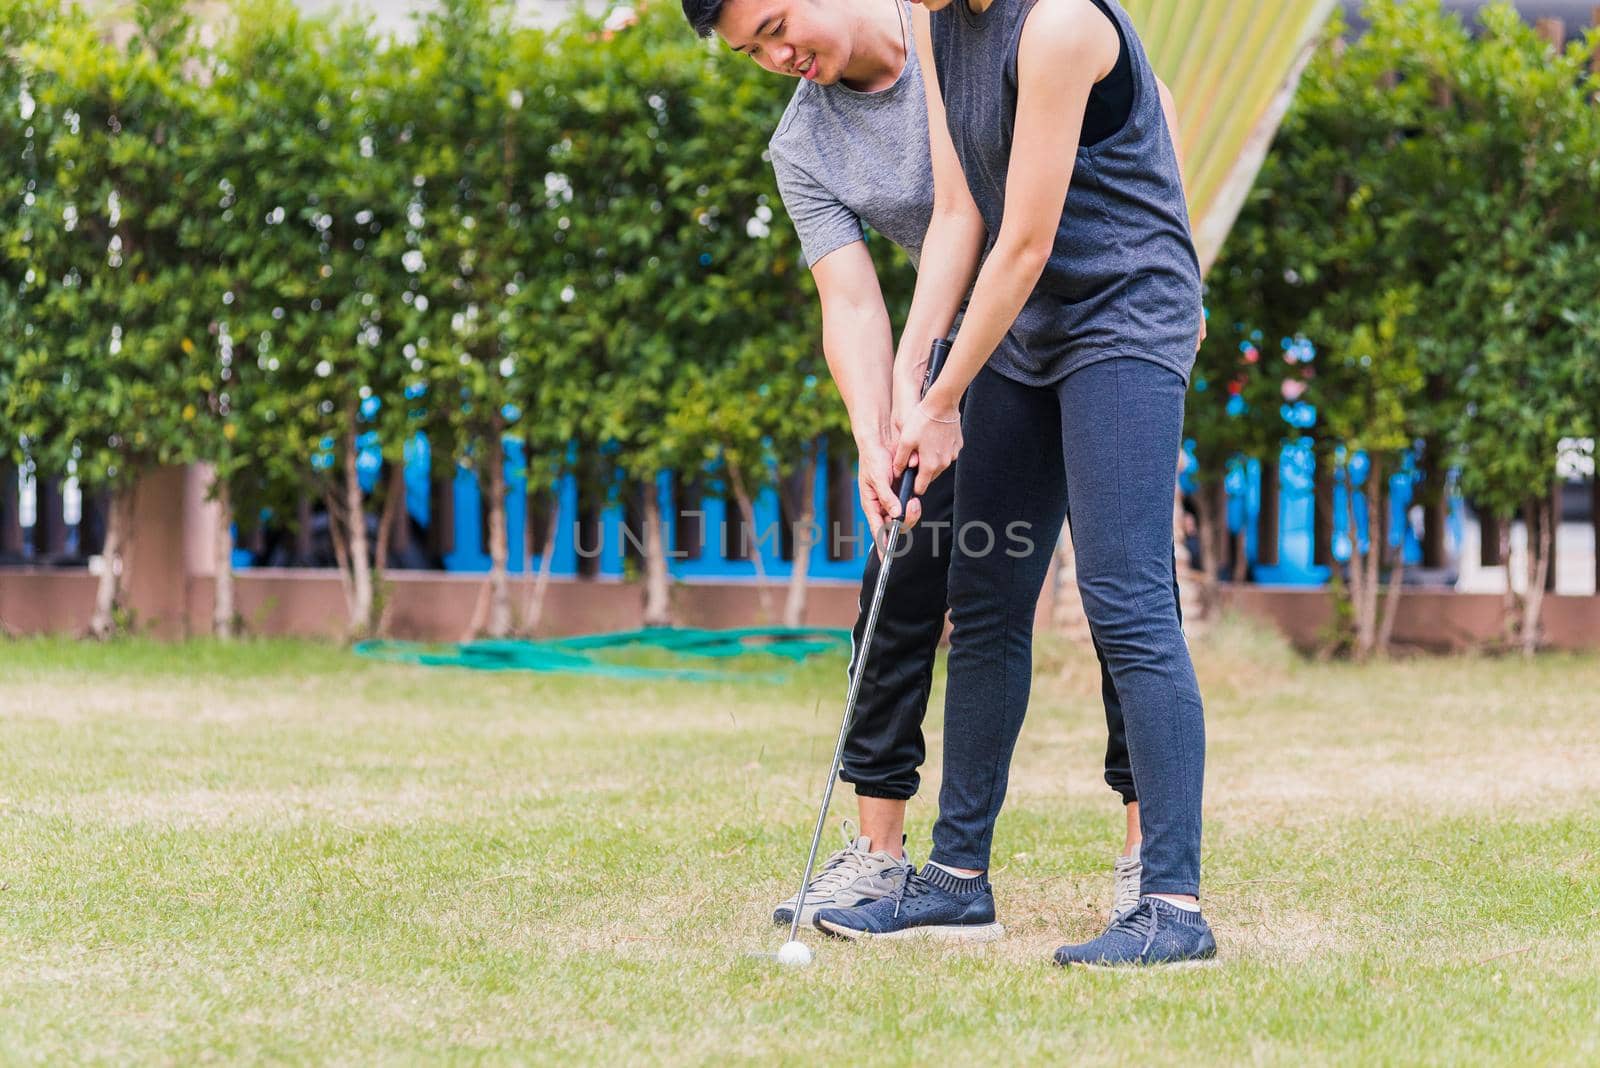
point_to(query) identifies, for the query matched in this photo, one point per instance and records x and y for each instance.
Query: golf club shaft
(849, 715)
(891, 541)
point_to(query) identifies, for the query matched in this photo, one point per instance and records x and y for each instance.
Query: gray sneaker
(853, 876)
(1126, 874)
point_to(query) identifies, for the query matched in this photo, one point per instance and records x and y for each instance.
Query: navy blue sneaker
(1156, 932)
(932, 904)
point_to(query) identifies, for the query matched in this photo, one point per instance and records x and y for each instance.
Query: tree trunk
(390, 518)
(748, 512)
(803, 513)
(223, 612)
(108, 591)
(11, 514)
(1541, 515)
(49, 524)
(1510, 607)
(533, 611)
(393, 518)
(255, 540)
(399, 526)
(1377, 538)
(1489, 539)
(1435, 527)
(1322, 508)
(1431, 489)
(1594, 68)
(657, 579)
(499, 624)
(10, 523)
(356, 529)
(1267, 532)
(1222, 536)
(348, 527)
(1553, 30)
(341, 548)
(1391, 599)
(1553, 515)
(1205, 500)
(303, 554)
(1594, 486)
(442, 513)
(91, 525)
(1241, 557)
(1356, 571)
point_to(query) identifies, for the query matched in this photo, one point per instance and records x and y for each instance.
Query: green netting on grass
(593, 654)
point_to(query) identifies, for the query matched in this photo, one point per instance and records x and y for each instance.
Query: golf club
(793, 951)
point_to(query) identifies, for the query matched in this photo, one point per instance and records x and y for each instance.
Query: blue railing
(606, 546)
(1296, 515)
(719, 559)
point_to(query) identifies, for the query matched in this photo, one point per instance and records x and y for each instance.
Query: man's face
(800, 38)
(933, 5)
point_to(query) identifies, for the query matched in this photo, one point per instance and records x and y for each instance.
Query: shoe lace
(914, 886)
(839, 870)
(1142, 923)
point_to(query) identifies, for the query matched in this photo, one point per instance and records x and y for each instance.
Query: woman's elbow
(1028, 255)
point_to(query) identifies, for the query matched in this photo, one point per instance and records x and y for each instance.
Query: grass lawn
(280, 853)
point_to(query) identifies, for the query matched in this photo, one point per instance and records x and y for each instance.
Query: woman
(1057, 137)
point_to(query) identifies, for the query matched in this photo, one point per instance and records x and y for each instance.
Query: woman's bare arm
(1067, 46)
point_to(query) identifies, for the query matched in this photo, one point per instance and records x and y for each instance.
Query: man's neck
(879, 53)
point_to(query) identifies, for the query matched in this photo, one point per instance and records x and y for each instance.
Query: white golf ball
(794, 955)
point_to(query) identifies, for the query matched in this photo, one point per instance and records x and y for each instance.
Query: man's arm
(857, 340)
(858, 344)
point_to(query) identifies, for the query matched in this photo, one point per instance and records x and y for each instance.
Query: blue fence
(1296, 515)
(714, 525)
(603, 544)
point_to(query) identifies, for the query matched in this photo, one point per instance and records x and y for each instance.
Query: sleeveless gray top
(1122, 278)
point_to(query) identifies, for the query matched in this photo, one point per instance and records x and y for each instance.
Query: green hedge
(1428, 225)
(226, 249)
(1416, 275)
(219, 252)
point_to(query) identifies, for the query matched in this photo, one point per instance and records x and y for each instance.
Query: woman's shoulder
(1067, 31)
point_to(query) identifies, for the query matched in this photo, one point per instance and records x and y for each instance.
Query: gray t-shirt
(846, 159)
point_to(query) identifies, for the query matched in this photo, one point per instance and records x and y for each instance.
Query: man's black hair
(703, 15)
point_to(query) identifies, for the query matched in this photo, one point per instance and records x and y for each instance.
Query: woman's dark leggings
(1107, 437)
(885, 748)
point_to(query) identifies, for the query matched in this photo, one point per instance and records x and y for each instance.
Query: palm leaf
(1232, 66)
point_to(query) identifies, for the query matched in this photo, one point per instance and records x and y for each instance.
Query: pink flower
(1293, 389)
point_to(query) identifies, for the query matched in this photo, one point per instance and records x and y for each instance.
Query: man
(850, 153)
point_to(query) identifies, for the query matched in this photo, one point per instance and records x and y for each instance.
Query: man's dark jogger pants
(885, 748)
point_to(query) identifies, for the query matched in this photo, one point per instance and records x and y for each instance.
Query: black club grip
(936, 360)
